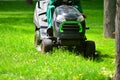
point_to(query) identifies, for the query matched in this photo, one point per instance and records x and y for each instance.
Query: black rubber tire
(89, 49)
(46, 45)
(37, 40)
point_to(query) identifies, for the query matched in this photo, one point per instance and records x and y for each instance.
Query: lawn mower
(68, 29)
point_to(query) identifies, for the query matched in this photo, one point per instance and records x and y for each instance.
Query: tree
(109, 18)
(117, 36)
(29, 2)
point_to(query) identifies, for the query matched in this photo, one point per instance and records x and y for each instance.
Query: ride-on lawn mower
(68, 29)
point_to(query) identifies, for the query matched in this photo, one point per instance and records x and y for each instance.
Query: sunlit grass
(19, 59)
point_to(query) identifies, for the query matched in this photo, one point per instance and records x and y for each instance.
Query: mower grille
(71, 27)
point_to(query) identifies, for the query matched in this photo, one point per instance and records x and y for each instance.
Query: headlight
(60, 18)
(80, 18)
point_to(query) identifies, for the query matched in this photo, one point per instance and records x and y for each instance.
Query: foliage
(20, 61)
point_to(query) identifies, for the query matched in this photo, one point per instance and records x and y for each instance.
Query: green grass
(19, 59)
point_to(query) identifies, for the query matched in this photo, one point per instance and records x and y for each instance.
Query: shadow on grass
(98, 57)
(15, 6)
(21, 5)
(96, 4)
(14, 25)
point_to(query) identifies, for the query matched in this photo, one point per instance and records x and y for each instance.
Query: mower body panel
(40, 14)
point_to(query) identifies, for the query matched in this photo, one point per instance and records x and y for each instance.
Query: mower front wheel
(89, 49)
(46, 45)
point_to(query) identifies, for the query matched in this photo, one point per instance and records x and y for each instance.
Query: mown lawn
(19, 59)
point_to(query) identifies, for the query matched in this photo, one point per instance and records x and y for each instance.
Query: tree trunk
(109, 18)
(29, 2)
(117, 36)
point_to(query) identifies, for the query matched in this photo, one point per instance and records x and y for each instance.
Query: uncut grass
(20, 60)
